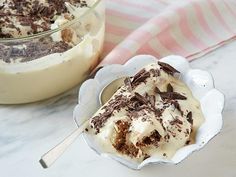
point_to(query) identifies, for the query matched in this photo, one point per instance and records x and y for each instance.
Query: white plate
(200, 82)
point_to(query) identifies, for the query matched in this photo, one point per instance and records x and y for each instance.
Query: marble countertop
(28, 131)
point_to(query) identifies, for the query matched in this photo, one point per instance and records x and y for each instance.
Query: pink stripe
(164, 24)
(219, 17)
(135, 18)
(148, 50)
(117, 30)
(140, 36)
(164, 37)
(167, 40)
(184, 26)
(136, 5)
(169, 43)
(203, 22)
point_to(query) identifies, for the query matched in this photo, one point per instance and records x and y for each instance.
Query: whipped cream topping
(23, 18)
(26, 17)
(152, 114)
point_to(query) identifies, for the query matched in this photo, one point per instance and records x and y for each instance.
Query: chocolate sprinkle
(157, 90)
(152, 100)
(140, 98)
(189, 117)
(115, 104)
(141, 76)
(176, 121)
(169, 88)
(167, 68)
(127, 82)
(188, 142)
(155, 72)
(146, 156)
(137, 75)
(177, 106)
(170, 95)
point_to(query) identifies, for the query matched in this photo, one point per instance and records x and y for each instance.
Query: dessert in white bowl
(136, 137)
(47, 47)
(152, 114)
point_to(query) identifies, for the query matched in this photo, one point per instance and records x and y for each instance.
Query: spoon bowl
(110, 89)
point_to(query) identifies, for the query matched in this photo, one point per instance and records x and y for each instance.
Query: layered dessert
(47, 46)
(152, 115)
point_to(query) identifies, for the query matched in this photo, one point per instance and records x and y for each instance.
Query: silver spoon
(52, 155)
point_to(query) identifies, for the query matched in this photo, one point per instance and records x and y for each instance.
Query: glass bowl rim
(46, 33)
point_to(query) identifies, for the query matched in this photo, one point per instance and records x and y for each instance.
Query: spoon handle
(52, 155)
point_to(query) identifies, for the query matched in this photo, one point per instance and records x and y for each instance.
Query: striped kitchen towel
(190, 28)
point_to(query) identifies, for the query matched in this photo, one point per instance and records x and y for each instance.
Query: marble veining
(27, 131)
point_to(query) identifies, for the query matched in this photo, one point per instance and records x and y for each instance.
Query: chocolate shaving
(189, 117)
(176, 121)
(187, 142)
(152, 100)
(141, 76)
(137, 75)
(177, 106)
(115, 104)
(169, 88)
(146, 156)
(158, 112)
(140, 98)
(170, 95)
(167, 68)
(98, 122)
(187, 132)
(157, 90)
(32, 50)
(108, 111)
(167, 137)
(175, 96)
(155, 72)
(127, 82)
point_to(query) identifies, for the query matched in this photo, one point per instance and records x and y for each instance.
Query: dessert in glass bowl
(47, 46)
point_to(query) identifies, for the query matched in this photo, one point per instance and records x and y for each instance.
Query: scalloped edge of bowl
(200, 82)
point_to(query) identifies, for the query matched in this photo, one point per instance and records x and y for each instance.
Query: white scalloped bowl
(200, 82)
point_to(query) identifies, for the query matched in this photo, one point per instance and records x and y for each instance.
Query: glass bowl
(42, 65)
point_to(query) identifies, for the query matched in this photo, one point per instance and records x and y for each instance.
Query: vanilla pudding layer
(33, 79)
(153, 115)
